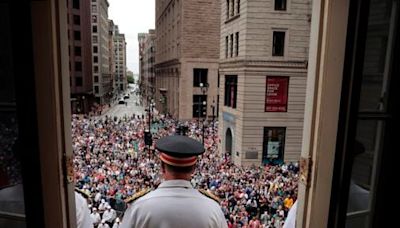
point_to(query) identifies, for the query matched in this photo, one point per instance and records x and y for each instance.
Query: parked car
(121, 101)
(126, 96)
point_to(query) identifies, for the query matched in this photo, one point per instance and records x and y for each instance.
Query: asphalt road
(121, 110)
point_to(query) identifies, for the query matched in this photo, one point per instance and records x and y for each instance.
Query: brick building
(80, 55)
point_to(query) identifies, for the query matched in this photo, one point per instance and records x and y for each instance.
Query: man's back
(174, 204)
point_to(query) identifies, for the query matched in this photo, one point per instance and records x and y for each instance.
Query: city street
(121, 110)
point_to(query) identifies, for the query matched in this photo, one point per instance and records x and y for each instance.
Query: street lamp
(149, 110)
(83, 104)
(204, 122)
(204, 88)
(213, 110)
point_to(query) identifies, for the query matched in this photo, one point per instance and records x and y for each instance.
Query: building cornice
(264, 63)
(167, 63)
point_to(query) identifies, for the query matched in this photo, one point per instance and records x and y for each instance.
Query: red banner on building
(276, 96)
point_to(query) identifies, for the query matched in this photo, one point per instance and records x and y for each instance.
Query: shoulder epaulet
(210, 195)
(137, 195)
(83, 193)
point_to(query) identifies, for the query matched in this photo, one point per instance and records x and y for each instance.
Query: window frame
(200, 75)
(231, 45)
(274, 40)
(80, 80)
(77, 19)
(226, 47)
(231, 82)
(266, 138)
(237, 44)
(278, 5)
(77, 35)
(76, 4)
(78, 66)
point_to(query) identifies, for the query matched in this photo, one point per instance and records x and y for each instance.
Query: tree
(130, 79)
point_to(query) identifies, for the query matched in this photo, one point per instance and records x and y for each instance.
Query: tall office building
(102, 77)
(148, 61)
(187, 55)
(80, 55)
(141, 40)
(263, 70)
(119, 44)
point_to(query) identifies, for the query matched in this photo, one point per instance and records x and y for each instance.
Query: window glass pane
(278, 44)
(227, 9)
(75, 4)
(77, 20)
(11, 188)
(280, 4)
(78, 51)
(231, 45)
(377, 58)
(226, 47)
(77, 35)
(367, 148)
(237, 44)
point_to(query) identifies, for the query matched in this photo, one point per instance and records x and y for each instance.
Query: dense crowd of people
(10, 167)
(112, 163)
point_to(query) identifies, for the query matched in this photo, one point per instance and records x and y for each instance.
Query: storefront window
(274, 145)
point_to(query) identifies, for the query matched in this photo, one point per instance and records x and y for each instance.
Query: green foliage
(130, 79)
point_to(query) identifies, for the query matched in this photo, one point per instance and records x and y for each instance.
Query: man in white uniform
(175, 203)
(83, 219)
(95, 217)
(108, 215)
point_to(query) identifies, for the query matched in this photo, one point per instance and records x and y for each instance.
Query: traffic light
(185, 130)
(148, 138)
(178, 130)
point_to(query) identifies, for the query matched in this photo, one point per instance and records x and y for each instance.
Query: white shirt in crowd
(95, 217)
(97, 198)
(116, 223)
(103, 225)
(108, 215)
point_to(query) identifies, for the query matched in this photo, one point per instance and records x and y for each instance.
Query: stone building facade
(141, 41)
(119, 44)
(102, 77)
(148, 63)
(187, 54)
(263, 70)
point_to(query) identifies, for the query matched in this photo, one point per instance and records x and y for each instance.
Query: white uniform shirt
(83, 219)
(290, 221)
(174, 204)
(105, 225)
(108, 215)
(97, 198)
(95, 218)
